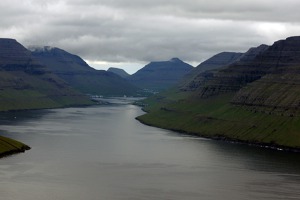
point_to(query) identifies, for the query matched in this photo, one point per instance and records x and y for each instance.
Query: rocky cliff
(279, 89)
(248, 68)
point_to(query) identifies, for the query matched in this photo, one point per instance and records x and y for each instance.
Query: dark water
(102, 152)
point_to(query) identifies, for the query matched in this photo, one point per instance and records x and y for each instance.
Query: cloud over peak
(142, 31)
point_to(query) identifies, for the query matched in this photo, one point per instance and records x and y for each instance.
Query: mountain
(215, 62)
(80, 75)
(120, 72)
(26, 84)
(219, 60)
(278, 89)
(255, 100)
(160, 75)
(232, 77)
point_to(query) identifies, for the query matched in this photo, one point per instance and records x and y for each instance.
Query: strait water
(103, 153)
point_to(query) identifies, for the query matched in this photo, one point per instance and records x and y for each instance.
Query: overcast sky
(131, 33)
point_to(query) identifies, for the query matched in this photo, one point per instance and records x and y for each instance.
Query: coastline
(227, 139)
(10, 146)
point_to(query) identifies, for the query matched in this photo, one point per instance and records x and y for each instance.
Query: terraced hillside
(254, 100)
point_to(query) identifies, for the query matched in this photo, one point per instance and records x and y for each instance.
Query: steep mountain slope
(254, 100)
(160, 75)
(248, 68)
(80, 75)
(26, 84)
(119, 72)
(215, 62)
(279, 89)
(219, 60)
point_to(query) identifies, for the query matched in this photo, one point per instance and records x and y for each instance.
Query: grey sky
(130, 33)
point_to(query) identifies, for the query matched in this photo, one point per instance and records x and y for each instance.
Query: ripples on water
(104, 153)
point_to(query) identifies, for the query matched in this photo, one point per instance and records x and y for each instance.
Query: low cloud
(139, 31)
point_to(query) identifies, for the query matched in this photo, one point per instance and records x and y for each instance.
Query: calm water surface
(102, 152)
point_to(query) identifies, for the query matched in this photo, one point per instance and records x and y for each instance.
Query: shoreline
(15, 151)
(230, 140)
(10, 147)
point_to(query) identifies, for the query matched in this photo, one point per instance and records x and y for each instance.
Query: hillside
(26, 84)
(80, 75)
(120, 72)
(232, 77)
(254, 100)
(215, 62)
(158, 76)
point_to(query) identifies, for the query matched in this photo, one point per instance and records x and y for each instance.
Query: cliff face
(80, 75)
(26, 84)
(266, 77)
(279, 89)
(248, 68)
(160, 75)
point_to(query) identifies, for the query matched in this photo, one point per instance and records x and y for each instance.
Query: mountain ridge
(26, 84)
(75, 71)
(159, 75)
(255, 100)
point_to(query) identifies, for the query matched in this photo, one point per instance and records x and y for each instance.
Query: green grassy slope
(20, 90)
(216, 118)
(254, 100)
(9, 146)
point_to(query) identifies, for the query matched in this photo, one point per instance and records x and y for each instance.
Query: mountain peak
(160, 75)
(118, 71)
(175, 60)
